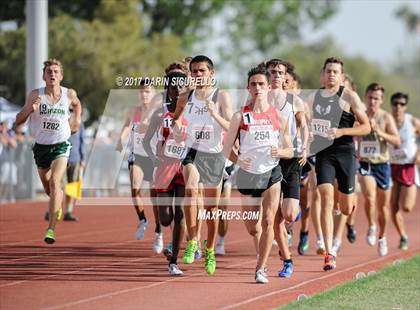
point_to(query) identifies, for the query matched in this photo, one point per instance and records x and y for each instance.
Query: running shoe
(303, 245)
(287, 270)
(351, 233)
(382, 246)
(371, 235)
(174, 270)
(261, 276)
(403, 244)
(220, 248)
(168, 251)
(141, 228)
(210, 264)
(70, 217)
(158, 243)
(336, 246)
(50, 236)
(320, 246)
(329, 262)
(189, 252)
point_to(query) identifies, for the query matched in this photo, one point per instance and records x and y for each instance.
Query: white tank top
(406, 153)
(258, 133)
(203, 133)
(50, 123)
(288, 110)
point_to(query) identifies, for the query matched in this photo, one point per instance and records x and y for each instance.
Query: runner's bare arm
(232, 134)
(286, 149)
(416, 124)
(225, 102)
(155, 121)
(303, 125)
(76, 117)
(31, 104)
(391, 134)
(358, 110)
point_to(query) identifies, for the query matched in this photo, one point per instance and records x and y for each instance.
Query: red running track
(97, 264)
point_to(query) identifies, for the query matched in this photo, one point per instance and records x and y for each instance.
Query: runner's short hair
(259, 70)
(202, 58)
(375, 87)
(399, 95)
(333, 60)
(50, 62)
(181, 66)
(277, 62)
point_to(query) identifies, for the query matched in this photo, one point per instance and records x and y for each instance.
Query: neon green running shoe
(189, 252)
(50, 236)
(59, 214)
(210, 261)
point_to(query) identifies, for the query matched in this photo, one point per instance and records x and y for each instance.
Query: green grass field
(395, 287)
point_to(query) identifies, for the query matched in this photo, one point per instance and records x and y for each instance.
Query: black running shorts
(337, 162)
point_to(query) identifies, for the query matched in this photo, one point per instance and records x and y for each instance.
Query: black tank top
(328, 108)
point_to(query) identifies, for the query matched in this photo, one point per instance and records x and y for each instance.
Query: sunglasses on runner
(401, 103)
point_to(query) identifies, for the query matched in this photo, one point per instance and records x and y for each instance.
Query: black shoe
(47, 216)
(70, 217)
(351, 233)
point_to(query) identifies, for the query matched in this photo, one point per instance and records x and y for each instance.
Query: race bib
(203, 134)
(50, 125)
(138, 145)
(369, 149)
(320, 127)
(174, 149)
(261, 135)
(398, 156)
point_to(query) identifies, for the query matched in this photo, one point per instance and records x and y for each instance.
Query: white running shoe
(320, 246)
(336, 247)
(382, 247)
(158, 243)
(261, 276)
(371, 235)
(174, 270)
(220, 249)
(141, 228)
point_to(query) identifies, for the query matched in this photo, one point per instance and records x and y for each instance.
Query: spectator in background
(8, 176)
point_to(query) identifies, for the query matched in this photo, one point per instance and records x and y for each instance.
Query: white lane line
(308, 281)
